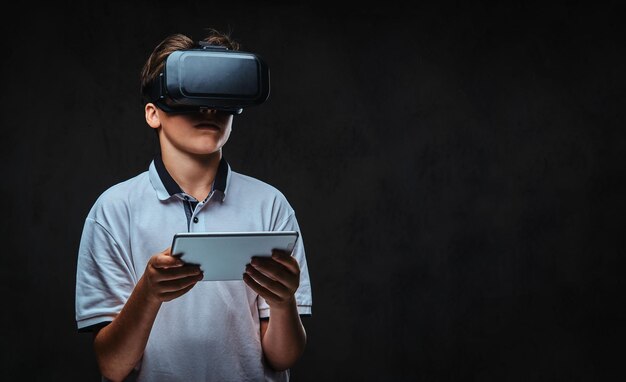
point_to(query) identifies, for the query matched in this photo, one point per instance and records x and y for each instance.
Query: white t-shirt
(212, 333)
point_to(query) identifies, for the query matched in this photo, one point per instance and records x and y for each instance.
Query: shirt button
(195, 220)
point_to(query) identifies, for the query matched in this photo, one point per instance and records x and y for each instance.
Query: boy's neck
(193, 173)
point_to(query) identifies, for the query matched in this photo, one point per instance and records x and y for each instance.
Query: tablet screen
(224, 255)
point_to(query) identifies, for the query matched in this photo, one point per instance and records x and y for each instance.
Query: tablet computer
(224, 255)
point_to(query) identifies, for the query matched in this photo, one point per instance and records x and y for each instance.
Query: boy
(151, 317)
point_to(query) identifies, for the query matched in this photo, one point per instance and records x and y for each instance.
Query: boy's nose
(207, 110)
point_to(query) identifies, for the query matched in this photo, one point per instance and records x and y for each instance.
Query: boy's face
(198, 133)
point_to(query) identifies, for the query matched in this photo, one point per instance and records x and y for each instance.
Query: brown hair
(156, 61)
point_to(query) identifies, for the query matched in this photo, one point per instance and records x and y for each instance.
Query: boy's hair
(156, 61)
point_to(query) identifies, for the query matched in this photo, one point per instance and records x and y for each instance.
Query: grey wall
(457, 172)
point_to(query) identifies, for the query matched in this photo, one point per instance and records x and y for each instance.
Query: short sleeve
(303, 294)
(104, 277)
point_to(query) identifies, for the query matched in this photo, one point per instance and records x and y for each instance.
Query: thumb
(165, 259)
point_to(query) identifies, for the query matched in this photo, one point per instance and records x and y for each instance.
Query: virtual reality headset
(209, 77)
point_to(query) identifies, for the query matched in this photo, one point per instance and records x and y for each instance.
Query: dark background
(457, 171)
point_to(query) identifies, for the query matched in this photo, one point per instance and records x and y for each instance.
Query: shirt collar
(166, 187)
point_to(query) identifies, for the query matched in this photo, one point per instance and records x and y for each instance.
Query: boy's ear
(152, 117)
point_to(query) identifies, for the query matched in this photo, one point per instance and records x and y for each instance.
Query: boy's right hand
(167, 277)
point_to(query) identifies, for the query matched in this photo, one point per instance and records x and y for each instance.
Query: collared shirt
(213, 331)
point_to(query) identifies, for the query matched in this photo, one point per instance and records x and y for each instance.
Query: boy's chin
(205, 152)
(204, 148)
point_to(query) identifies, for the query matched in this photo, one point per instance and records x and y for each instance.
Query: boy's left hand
(275, 278)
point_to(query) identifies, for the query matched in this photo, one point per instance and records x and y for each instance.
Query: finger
(272, 268)
(278, 287)
(263, 292)
(166, 274)
(164, 260)
(178, 284)
(286, 259)
(172, 295)
(166, 252)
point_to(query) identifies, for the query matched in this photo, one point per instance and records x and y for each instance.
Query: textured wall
(457, 172)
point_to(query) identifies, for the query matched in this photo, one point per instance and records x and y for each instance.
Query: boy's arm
(283, 337)
(120, 345)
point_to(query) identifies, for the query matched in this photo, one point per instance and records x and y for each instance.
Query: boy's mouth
(207, 125)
